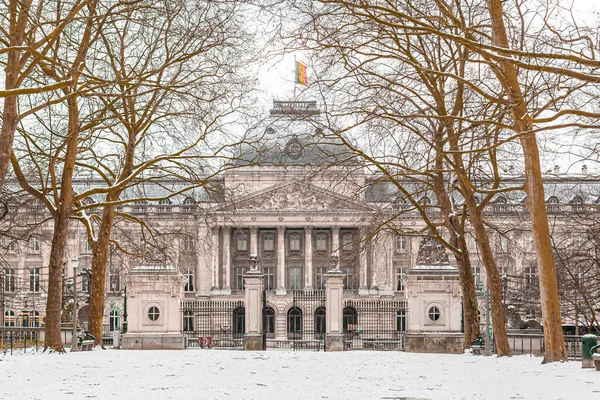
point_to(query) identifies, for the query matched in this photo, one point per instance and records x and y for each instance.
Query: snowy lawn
(274, 375)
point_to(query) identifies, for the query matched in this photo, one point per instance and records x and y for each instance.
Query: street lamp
(75, 265)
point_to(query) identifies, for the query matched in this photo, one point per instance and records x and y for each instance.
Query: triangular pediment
(295, 196)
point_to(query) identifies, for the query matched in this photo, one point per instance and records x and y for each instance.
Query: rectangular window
(528, 242)
(189, 280)
(239, 278)
(269, 273)
(295, 282)
(35, 244)
(188, 243)
(294, 241)
(476, 274)
(320, 278)
(268, 242)
(114, 280)
(85, 280)
(321, 242)
(401, 243)
(530, 278)
(87, 247)
(242, 241)
(9, 280)
(400, 279)
(349, 278)
(34, 279)
(347, 241)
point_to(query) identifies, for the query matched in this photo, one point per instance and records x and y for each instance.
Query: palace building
(299, 201)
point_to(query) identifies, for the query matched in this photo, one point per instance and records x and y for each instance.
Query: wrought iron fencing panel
(306, 320)
(19, 338)
(533, 344)
(374, 324)
(214, 324)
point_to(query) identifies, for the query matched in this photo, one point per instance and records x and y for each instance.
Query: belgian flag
(301, 77)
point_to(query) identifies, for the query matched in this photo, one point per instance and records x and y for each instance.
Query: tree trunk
(99, 273)
(554, 344)
(62, 218)
(469, 292)
(493, 279)
(467, 282)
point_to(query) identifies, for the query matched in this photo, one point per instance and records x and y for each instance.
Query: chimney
(556, 170)
(584, 170)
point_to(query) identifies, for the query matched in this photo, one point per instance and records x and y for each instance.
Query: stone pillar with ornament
(253, 282)
(434, 302)
(334, 303)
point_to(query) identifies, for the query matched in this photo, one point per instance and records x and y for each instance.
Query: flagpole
(295, 77)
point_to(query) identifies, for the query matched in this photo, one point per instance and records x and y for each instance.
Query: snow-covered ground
(274, 375)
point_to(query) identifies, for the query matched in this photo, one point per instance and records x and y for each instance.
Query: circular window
(153, 313)
(434, 313)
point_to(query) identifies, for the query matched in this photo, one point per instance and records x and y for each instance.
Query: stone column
(215, 258)
(254, 240)
(363, 290)
(281, 261)
(226, 260)
(253, 337)
(308, 265)
(335, 238)
(204, 273)
(334, 303)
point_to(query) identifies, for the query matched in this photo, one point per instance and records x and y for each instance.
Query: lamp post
(74, 264)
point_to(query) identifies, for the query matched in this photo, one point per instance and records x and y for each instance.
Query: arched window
(294, 322)
(553, 204)
(320, 323)
(114, 321)
(188, 321)
(189, 205)
(401, 320)
(239, 322)
(9, 318)
(270, 322)
(350, 319)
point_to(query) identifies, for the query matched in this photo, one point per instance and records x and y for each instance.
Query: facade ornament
(431, 252)
(335, 262)
(253, 262)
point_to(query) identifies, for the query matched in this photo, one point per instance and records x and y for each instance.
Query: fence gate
(375, 325)
(306, 320)
(213, 324)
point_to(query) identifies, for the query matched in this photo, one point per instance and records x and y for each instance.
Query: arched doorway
(239, 322)
(270, 322)
(320, 324)
(294, 323)
(350, 319)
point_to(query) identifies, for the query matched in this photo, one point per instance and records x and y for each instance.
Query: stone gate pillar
(334, 303)
(253, 283)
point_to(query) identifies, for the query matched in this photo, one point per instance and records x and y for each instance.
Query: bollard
(587, 342)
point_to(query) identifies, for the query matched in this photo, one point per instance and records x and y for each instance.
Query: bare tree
(30, 32)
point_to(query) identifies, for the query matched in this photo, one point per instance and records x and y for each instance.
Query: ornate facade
(293, 197)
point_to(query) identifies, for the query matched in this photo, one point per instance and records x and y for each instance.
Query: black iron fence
(374, 325)
(306, 320)
(211, 324)
(533, 344)
(18, 338)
